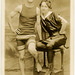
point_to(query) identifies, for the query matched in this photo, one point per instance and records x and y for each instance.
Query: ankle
(50, 66)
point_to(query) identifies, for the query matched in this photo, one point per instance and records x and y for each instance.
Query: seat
(60, 49)
(52, 72)
(54, 51)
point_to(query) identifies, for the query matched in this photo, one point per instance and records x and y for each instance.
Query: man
(29, 19)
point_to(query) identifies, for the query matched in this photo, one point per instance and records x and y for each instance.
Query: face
(44, 7)
(30, 1)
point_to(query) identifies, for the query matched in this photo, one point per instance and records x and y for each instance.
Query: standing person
(29, 16)
(53, 27)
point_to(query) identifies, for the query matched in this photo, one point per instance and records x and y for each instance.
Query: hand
(17, 31)
(50, 43)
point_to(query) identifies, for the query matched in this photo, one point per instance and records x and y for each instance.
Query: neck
(44, 14)
(29, 4)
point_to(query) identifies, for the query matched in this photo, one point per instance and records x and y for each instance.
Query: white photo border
(2, 27)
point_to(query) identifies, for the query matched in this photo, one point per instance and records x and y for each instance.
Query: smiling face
(44, 8)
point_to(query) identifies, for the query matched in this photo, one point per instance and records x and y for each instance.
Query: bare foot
(50, 66)
(39, 67)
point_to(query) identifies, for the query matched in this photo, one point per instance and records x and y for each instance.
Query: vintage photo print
(37, 37)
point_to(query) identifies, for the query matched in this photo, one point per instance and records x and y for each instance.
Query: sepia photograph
(36, 37)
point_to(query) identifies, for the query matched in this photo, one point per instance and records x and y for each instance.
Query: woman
(53, 30)
(28, 16)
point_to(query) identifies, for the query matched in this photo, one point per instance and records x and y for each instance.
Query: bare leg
(21, 61)
(33, 51)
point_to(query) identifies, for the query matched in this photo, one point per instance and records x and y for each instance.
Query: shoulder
(37, 10)
(18, 8)
(49, 14)
(56, 16)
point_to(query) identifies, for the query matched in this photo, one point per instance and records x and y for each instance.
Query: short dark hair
(48, 2)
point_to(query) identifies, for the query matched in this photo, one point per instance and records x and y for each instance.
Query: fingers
(17, 31)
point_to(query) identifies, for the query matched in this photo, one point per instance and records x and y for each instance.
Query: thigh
(21, 54)
(40, 46)
(31, 43)
(21, 48)
(21, 45)
(20, 42)
(60, 42)
(31, 40)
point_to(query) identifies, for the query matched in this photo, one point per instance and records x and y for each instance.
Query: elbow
(9, 18)
(66, 24)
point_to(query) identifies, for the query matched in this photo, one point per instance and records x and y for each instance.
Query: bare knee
(32, 49)
(21, 50)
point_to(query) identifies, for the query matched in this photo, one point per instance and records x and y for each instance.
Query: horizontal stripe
(21, 47)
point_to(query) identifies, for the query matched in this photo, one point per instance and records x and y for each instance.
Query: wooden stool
(58, 72)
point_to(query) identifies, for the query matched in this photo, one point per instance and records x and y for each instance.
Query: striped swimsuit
(27, 20)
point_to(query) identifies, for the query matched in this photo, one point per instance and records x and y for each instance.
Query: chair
(54, 51)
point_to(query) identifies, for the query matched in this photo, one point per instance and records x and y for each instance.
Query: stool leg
(34, 64)
(44, 61)
(62, 58)
(53, 61)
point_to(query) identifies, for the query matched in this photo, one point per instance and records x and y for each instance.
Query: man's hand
(17, 31)
(50, 42)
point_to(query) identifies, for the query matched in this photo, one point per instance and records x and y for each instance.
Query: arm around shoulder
(38, 26)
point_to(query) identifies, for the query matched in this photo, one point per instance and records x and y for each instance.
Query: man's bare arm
(12, 14)
(38, 26)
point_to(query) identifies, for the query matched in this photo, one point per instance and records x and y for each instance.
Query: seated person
(53, 27)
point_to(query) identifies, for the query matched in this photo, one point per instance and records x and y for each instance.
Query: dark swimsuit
(27, 21)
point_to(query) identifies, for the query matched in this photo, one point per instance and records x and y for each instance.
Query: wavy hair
(48, 2)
